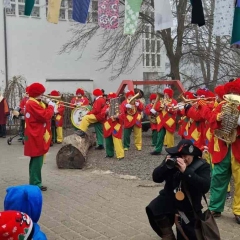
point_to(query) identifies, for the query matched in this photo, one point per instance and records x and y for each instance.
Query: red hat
(232, 87)
(153, 96)
(97, 92)
(219, 90)
(129, 93)
(210, 94)
(35, 90)
(80, 91)
(169, 92)
(189, 95)
(111, 95)
(15, 225)
(26, 89)
(55, 93)
(202, 92)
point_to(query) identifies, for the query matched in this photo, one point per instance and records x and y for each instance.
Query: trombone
(58, 99)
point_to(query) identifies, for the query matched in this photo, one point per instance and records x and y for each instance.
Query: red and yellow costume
(132, 121)
(166, 121)
(226, 160)
(37, 131)
(4, 112)
(58, 117)
(79, 99)
(148, 108)
(112, 131)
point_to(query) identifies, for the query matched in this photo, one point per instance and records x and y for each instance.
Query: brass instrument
(133, 110)
(114, 108)
(152, 117)
(230, 115)
(58, 99)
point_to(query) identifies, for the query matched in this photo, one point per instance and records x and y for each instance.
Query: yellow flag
(53, 10)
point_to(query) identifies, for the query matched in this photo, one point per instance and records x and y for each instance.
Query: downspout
(5, 45)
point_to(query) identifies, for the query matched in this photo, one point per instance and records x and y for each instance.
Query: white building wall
(33, 46)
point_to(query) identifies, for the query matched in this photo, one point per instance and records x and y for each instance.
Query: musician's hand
(56, 112)
(137, 103)
(219, 117)
(128, 105)
(153, 111)
(45, 100)
(50, 103)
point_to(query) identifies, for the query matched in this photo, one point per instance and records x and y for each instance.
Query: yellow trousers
(118, 147)
(86, 121)
(137, 131)
(59, 131)
(169, 139)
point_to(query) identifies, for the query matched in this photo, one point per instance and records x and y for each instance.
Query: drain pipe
(5, 45)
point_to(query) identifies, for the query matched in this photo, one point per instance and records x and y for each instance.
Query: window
(18, 7)
(93, 12)
(151, 45)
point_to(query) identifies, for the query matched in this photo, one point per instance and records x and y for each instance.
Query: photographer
(182, 169)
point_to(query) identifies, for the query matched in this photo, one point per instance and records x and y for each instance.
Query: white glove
(137, 104)
(153, 111)
(50, 103)
(128, 105)
(239, 120)
(55, 111)
(46, 100)
(181, 107)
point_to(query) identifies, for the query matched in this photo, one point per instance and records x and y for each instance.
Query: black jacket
(196, 180)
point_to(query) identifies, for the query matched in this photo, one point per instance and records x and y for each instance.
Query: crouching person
(182, 169)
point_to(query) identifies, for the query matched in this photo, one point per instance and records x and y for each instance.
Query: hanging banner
(132, 9)
(163, 15)
(80, 10)
(223, 18)
(235, 41)
(108, 13)
(53, 11)
(28, 7)
(7, 4)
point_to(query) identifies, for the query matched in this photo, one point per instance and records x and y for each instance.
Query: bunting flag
(28, 7)
(53, 11)
(235, 41)
(108, 13)
(132, 9)
(163, 15)
(223, 18)
(80, 10)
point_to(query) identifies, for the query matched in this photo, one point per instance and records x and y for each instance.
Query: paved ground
(90, 204)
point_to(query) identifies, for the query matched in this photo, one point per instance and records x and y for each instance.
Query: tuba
(230, 115)
(133, 110)
(152, 117)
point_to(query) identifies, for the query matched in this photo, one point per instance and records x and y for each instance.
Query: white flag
(7, 4)
(163, 15)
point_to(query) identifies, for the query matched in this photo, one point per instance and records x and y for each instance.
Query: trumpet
(58, 99)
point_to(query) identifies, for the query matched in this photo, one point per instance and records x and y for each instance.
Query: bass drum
(77, 114)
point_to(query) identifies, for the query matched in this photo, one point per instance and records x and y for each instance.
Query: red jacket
(131, 120)
(97, 108)
(83, 101)
(148, 112)
(112, 127)
(166, 117)
(218, 147)
(184, 124)
(37, 128)
(59, 115)
(23, 104)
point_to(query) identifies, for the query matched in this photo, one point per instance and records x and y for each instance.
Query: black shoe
(99, 147)
(43, 188)
(216, 214)
(20, 139)
(155, 153)
(4, 136)
(119, 159)
(80, 133)
(108, 156)
(228, 195)
(237, 217)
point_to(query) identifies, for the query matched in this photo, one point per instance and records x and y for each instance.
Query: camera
(171, 162)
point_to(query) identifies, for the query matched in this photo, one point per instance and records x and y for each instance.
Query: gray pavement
(90, 204)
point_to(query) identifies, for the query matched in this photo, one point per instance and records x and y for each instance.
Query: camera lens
(171, 163)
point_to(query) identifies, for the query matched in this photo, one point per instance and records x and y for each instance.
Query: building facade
(33, 46)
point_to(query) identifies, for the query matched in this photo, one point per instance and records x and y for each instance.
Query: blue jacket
(27, 199)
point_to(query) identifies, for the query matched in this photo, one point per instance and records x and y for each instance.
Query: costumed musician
(4, 112)
(112, 129)
(226, 159)
(166, 120)
(132, 109)
(37, 131)
(153, 124)
(57, 120)
(94, 116)
(80, 99)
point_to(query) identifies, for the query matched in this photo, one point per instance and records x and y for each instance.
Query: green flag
(132, 9)
(235, 41)
(28, 7)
